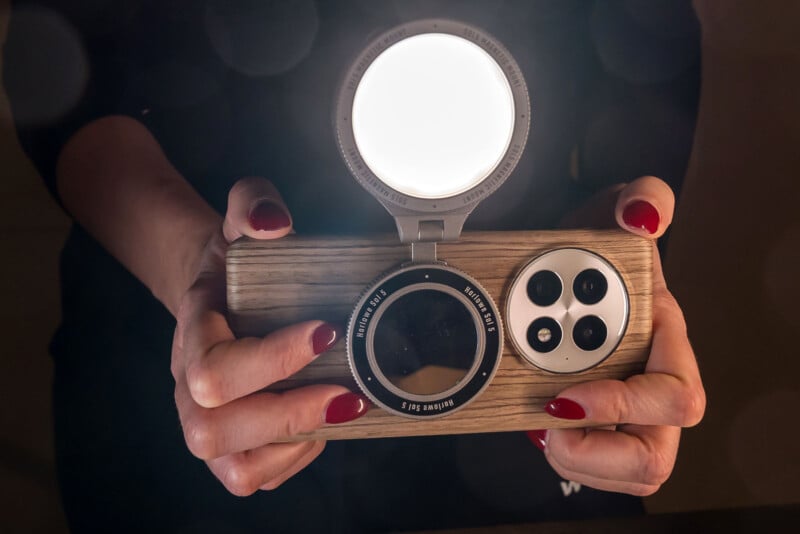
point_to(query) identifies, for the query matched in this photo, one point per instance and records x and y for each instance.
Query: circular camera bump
(566, 310)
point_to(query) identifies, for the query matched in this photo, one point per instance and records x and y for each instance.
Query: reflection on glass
(425, 342)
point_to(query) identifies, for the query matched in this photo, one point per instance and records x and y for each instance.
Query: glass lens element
(544, 288)
(433, 115)
(426, 342)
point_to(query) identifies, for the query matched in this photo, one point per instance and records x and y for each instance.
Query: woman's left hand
(649, 409)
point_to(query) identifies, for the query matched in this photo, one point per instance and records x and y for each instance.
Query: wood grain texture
(276, 283)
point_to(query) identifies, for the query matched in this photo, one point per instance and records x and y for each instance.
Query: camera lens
(426, 342)
(544, 334)
(589, 333)
(590, 286)
(544, 288)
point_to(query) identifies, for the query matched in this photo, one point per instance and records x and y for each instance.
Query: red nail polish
(538, 438)
(641, 215)
(346, 408)
(323, 338)
(565, 409)
(267, 215)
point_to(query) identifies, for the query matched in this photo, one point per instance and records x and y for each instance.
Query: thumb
(645, 207)
(255, 209)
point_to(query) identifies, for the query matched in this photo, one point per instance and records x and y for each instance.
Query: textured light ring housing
(346, 138)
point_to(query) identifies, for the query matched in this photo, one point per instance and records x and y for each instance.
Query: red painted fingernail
(538, 437)
(346, 408)
(267, 215)
(565, 409)
(641, 215)
(323, 338)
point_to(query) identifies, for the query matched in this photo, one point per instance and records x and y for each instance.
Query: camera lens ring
(544, 334)
(544, 287)
(589, 333)
(400, 297)
(590, 286)
(367, 313)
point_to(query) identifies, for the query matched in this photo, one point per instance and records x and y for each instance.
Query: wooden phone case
(272, 284)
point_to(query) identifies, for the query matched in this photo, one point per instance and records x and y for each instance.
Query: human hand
(227, 419)
(648, 409)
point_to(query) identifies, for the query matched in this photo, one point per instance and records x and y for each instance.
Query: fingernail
(346, 408)
(323, 338)
(565, 409)
(641, 215)
(267, 215)
(538, 438)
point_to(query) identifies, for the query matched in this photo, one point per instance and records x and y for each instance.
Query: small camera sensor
(544, 288)
(589, 333)
(590, 286)
(544, 334)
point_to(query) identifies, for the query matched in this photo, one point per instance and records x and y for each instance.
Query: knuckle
(238, 479)
(200, 436)
(282, 356)
(563, 459)
(620, 406)
(656, 469)
(272, 485)
(644, 491)
(240, 187)
(291, 425)
(667, 306)
(692, 406)
(205, 384)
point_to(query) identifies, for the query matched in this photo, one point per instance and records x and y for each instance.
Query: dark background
(732, 260)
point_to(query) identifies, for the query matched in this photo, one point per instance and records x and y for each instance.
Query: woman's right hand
(227, 419)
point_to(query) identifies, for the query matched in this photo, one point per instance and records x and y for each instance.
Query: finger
(244, 473)
(220, 368)
(645, 207)
(255, 209)
(255, 420)
(670, 392)
(176, 358)
(635, 460)
(300, 464)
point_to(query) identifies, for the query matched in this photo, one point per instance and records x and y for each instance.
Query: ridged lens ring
(544, 334)
(590, 286)
(589, 333)
(544, 288)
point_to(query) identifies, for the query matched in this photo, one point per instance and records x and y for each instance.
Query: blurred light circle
(258, 38)
(628, 46)
(47, 66)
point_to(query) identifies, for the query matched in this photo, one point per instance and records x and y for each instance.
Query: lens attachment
(424, 341)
